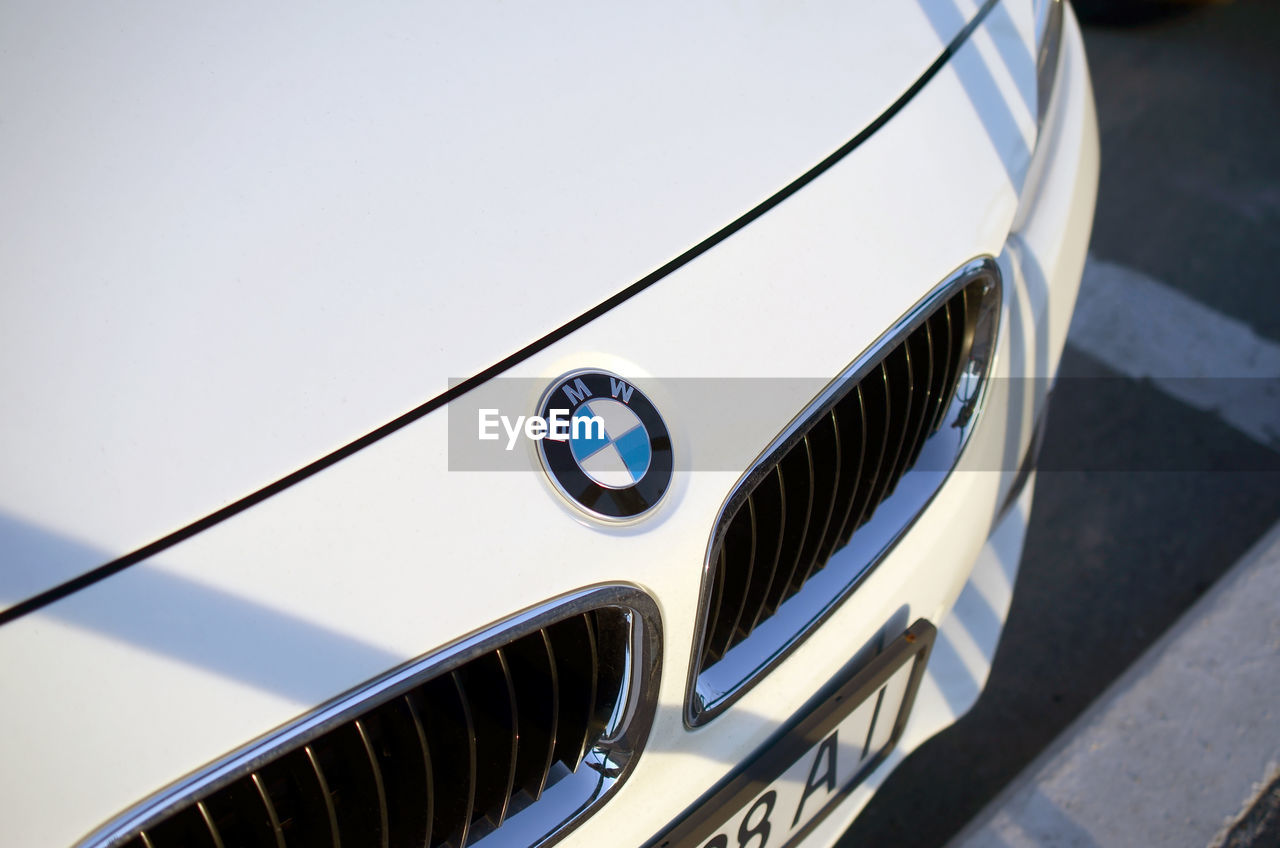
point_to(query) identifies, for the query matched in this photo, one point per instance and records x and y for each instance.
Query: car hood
(236, 238)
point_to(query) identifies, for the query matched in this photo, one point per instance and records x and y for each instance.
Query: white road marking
(1145, 329)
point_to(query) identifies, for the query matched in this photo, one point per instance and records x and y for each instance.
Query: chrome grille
(508, 740)
(830, 479)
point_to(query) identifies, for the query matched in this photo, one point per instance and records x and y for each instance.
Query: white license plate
(802, 774)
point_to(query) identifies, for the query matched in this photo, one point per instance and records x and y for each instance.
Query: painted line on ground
(1145, 329)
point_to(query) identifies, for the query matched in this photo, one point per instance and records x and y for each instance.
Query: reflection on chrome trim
(713, 688)
(544, 822)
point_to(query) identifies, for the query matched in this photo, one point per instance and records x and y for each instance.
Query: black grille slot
(828, 477)
(440, 764)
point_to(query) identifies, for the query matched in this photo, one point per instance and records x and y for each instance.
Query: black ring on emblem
(561, 466)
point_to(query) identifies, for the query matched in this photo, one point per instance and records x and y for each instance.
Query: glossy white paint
(386, 555)
(238, 239)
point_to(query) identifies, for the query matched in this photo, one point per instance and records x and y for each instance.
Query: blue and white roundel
(610, 443)
(616, 460)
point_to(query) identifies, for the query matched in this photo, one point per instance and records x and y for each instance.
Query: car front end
(271, 580)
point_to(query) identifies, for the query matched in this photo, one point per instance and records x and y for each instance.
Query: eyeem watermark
(557, 426)
(722, 425)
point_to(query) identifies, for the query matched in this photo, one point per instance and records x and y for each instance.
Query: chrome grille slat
(239, 817)
(296, 794)
(554, 717)
(797, 472)
(876, 421)
(856, 449)
(947, 337)
(940, 338)
(968, 301)
(770, 513)
(576, 676)
(349, 773)
(850, 418)
(441, 707)
(492, 727)
(922, 344)
(955, 321)
(709, 653)
(331, 813)
(747, 579)
(822, 441)
(459, 828)
(558, 711)
(187, 828)
(396, 750)
(532, 668)
(428, 773)
(898, 383)
(270, 808)
(209, 823)
(593, 658)
(739, 546)
(514, 704)
(378, 785)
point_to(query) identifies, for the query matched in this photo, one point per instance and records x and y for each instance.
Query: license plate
(803, 773)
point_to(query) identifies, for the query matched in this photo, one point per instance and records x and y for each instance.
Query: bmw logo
(607, 449)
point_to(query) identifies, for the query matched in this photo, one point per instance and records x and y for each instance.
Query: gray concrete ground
(1186, 742)
(1149, 491)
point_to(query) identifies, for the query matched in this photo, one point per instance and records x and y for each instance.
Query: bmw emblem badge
(607, 449)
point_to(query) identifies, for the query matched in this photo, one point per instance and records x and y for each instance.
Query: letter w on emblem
(617, 386)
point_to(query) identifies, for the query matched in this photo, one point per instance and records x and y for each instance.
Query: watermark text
(558, 426)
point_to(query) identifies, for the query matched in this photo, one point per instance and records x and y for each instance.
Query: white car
(500, 424)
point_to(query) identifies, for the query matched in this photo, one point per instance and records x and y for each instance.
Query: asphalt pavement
(1183, 749)
(1161, 462)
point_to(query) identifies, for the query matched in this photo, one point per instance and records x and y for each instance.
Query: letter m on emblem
(577, 392)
